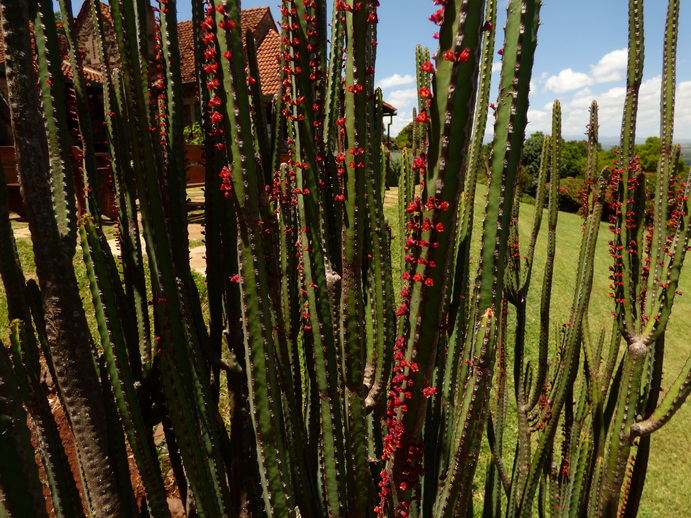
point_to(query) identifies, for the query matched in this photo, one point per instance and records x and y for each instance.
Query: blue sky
(580, 57)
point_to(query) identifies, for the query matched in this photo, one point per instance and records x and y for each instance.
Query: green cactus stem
(67, 329)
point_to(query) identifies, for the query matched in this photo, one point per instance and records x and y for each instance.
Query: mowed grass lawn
(667, 487)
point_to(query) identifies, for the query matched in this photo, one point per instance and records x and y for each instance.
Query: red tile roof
(268, 48)
(267, 52)
(251, 18)
(186, 46)
(268, 61)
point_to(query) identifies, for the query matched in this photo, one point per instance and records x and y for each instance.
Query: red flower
(429, 391)
(425, 92)
(216, 117)
(427, 67)
(449, 55)
(438, 17)
(422, 117)
(208, 38)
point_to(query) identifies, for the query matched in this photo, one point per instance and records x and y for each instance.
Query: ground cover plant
(340, 397)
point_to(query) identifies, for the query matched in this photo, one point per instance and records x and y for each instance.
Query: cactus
(339, 401)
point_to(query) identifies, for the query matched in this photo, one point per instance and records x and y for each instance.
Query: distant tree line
(574, 154)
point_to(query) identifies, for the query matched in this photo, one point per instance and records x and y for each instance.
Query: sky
(581, 56)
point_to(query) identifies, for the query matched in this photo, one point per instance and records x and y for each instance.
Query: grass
(670, 464)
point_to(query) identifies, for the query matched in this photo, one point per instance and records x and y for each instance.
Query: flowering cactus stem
(628, 289)
(518, 53)
(466, 207)
(260, 346)
(358, 153)
(173, 144)
(667, 162)
(647, 285)
(457, 295)
(333, 78)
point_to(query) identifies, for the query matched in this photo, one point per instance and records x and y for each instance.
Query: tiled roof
(267, 52)
(389, 109)
(251, 18)
(186, 46)
(269, 66)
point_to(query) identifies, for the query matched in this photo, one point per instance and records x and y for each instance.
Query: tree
(405, 137)
(574, 155)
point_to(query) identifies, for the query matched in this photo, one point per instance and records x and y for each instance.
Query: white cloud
(539, 120)
(567, 80)
(403, 100)
(400, 121)
(611, 104)
(682, 119)
(395, 80)
(582, 99)
(496, 67)
(610, 67)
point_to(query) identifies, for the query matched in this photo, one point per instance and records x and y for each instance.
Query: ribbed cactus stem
(66, 326)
